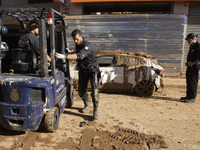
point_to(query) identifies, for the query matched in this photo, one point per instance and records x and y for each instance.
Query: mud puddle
(121, 139)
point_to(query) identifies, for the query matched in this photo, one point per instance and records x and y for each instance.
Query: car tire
(144, 88)
(51, 120)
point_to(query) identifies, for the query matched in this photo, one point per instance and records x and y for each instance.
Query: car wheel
(51, 120)
(144, 88)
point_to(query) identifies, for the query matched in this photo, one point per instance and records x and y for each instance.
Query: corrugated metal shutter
(158, 35)
(193, 25)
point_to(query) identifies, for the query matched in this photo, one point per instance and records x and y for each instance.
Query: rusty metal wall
(159, 35)
(193, 25)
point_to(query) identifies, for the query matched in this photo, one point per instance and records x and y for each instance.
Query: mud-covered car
(127, 72)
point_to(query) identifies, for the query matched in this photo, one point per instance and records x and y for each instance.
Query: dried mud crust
(128, 59)
(111, 53)
(122, 139)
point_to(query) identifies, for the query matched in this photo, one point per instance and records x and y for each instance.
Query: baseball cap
(33, 25)
(190, 36)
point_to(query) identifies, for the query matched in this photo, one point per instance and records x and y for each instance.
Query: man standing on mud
(88, 70)
(192, 73)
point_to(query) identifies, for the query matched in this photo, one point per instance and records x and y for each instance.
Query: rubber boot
(86, 107)
(95, 113)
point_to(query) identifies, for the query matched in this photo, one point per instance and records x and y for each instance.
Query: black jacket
(29, 41)
(194, 52)
(86, 56)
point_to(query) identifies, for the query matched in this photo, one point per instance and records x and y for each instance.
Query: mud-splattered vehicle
(33, 91)
(127, 72)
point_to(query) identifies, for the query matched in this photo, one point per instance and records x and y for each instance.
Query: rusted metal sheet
(159, 35)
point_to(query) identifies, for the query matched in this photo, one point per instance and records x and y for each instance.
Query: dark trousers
(192, 78)
(84, 77)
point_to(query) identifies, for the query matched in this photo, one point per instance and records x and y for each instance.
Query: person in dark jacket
(192, 73)
(30, 40)
(88, 70)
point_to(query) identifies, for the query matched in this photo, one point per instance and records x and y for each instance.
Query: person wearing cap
(30, 39)
(192, 72)
(88, 70)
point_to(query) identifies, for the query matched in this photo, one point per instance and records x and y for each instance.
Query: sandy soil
(125, 122)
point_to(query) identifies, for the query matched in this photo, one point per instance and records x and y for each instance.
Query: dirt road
(126, 122)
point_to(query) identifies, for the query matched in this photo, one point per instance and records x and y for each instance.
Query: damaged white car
(127, 72)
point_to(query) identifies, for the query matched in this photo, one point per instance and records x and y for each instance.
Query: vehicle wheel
(70, 97)
(144, 88)
(51, 120)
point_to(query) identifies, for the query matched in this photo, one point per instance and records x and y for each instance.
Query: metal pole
(52, 44)
(52, 48)
(67, 73)
(0, 43)
(43, 47)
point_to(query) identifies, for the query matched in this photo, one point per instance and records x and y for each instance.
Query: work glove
(60, 56)
(68, 50)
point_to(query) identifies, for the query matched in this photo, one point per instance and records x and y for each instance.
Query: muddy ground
(125, 122)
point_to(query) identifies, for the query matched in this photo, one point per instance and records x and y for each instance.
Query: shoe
(85, 109)
(189, 100)
(182, 99)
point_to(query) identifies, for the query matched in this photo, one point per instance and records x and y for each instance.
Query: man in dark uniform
(192, 73)
(88, 70)
(30, 40)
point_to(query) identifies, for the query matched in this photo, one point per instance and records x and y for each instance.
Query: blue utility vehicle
(33, 91)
